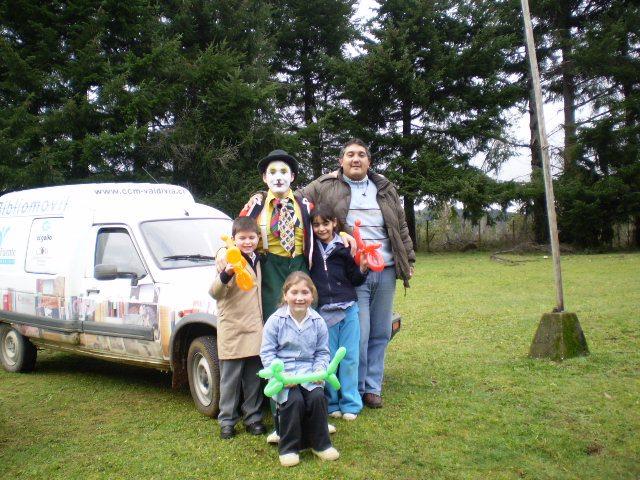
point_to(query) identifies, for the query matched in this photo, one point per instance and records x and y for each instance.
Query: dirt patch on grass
(594, 448)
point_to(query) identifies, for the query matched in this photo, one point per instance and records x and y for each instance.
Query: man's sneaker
(336, 414)
(273, 438)
(289, 459)
(349, 416)
(328, 454)
(331, 428)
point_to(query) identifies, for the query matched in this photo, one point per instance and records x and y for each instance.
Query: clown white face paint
(278, 177)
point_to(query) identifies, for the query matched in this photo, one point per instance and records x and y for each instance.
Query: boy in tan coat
(240, 336)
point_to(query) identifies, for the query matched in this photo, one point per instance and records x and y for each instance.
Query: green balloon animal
(278, 379)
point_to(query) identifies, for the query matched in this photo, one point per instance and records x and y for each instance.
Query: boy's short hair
(244, 224)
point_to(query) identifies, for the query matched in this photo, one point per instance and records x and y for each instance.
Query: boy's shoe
(349, 416)
(328, 454)
(331, 428)
(227, 432)
(289, 459)
(256, 428)
(273, 438)
(336, 414)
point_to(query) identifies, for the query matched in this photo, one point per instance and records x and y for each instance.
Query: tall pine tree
(431, 89)
(311, 39)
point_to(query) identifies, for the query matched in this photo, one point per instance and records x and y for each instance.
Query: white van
(119, 271)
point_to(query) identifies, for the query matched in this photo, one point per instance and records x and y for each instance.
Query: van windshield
(184, 243)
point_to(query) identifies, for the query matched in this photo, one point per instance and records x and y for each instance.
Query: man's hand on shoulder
(349, 242)
(256, 199)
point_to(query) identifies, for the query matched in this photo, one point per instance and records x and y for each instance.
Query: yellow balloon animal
(235, 259)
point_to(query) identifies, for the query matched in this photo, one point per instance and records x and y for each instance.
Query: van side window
(115, 247)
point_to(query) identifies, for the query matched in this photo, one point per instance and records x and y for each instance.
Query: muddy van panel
(110, 271)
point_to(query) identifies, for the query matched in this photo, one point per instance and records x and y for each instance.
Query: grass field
(462, 398)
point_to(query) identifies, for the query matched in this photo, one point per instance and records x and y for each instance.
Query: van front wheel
(17, 353)
(204, 375)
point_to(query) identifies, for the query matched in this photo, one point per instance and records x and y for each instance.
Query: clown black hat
(278, 155)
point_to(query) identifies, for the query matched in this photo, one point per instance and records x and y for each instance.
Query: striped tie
(282, 225)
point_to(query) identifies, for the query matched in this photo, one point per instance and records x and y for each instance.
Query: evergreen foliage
(597, 75)
(194, 92)
(310, 41)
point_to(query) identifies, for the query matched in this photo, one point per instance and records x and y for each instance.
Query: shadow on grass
(104, 372)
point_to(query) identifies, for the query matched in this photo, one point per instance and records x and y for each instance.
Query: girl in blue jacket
(297, 335)
(335, 275)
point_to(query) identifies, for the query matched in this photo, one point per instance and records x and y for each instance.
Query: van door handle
(93, 290)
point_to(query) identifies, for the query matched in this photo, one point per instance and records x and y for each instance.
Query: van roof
(92, 196)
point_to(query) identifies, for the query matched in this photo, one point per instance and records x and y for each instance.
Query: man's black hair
(355, 141)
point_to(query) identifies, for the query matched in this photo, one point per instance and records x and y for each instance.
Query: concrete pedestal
(559, 336)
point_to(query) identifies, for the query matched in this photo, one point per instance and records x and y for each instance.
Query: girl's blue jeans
(346, 333)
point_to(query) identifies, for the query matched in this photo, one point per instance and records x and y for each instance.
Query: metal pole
(544, 145)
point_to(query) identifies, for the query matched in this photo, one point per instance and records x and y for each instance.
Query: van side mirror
(104, 271)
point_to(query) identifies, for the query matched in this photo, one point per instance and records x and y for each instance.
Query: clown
(283, 218)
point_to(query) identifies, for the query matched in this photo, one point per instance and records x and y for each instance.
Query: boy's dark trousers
(240, 375)
(303, 421)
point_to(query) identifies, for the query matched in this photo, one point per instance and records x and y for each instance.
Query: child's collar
(300, 323)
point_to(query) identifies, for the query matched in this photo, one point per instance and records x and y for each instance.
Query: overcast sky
(518, 167)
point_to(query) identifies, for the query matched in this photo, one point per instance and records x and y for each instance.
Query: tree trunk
(630, 110)
(539, 210)
(407, 153)
(568, 88)
(426, 238)
(309, 112)
(410, 214)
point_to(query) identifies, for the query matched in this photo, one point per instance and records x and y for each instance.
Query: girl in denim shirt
(298, 336)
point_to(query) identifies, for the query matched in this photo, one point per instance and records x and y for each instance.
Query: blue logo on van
(3, 234)
(10, 253)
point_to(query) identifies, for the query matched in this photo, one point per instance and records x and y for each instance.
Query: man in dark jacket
(355, 192)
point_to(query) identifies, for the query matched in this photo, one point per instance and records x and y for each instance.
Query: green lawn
(462, 398)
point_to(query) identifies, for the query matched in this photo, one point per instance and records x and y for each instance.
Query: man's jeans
(375, 301)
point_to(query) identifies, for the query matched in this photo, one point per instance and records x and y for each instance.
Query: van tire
(17, 353)
(204, 374)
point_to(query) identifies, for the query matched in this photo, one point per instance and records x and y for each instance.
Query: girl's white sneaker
(328, 454)
(349, 416)
(289, 459)
(336, 414)
(273, 438)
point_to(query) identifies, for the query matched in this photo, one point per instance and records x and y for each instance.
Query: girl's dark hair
(325, 212)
